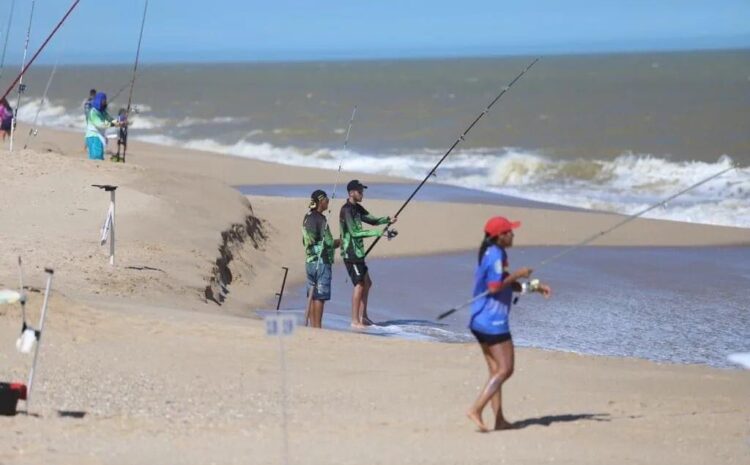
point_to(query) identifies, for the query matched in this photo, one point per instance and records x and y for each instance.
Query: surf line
(41, 47)
(7, 35)
(460, 139)
(598, 235)
(21, 86)
(132, 79)
(308, 309)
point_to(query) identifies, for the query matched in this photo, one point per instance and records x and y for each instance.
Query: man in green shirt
(319, 245)
(351, 217)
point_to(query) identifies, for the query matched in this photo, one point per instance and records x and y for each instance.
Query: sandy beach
(161, 358)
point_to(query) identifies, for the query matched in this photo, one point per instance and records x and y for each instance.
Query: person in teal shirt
(96, 126)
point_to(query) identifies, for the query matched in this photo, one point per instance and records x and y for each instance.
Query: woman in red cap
(494, 285)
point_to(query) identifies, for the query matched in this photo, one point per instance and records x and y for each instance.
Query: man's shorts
(357, 271)
(95, 148)
(319, 279)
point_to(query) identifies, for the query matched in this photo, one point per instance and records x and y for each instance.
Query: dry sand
(159, 373)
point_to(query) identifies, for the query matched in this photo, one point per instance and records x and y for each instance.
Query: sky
(104, 31)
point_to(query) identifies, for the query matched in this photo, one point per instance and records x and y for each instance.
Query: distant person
(353, 249)
(494, 285)
(6, 118)
(87, 104)
(122, 133)
(96, 125)
(319, 250)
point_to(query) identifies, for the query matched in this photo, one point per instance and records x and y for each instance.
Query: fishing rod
(460, 139)
(21, 86)
(44, 44)
(33, 131)
(7, 36)
(598, 235)
(132, 80)
(328, 217)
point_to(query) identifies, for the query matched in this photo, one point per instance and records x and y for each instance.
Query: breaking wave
(626, 184)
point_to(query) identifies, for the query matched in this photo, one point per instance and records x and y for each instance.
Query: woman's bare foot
(358, 326)
(368, 322)
(477, 419)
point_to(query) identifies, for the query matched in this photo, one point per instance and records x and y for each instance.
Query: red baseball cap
(498, 225)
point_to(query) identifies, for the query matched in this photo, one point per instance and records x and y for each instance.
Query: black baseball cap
(355, 185)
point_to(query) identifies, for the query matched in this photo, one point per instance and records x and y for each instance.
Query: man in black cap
(319, 245)
(353, 249)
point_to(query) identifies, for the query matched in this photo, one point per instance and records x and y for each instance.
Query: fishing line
(120, 91)
(460, 139)
(598, 235)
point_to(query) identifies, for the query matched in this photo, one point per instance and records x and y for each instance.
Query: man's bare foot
(503, 425)
(368, 322)
(477, 419)
(358, 326)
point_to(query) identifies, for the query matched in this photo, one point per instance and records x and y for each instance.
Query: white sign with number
(280, 325)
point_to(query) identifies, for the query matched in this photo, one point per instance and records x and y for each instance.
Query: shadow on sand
(78, 414)
(567, 418)
(411, 322)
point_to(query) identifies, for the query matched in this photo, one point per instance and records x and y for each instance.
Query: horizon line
(386, 56)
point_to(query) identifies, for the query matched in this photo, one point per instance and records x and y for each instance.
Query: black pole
(281, 292)
(458, 141)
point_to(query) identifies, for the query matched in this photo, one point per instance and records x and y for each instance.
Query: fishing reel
(390, 234)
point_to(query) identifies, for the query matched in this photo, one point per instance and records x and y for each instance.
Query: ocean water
(605, 132)
(676, 305)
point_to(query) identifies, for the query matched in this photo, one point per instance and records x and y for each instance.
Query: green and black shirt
(351, 217)
(317, 238)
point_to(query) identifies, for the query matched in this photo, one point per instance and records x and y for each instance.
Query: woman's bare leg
(492, 368)
(503, 357)
(509, 354)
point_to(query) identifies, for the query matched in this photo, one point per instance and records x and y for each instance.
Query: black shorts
(491, 339)
(357, 271)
